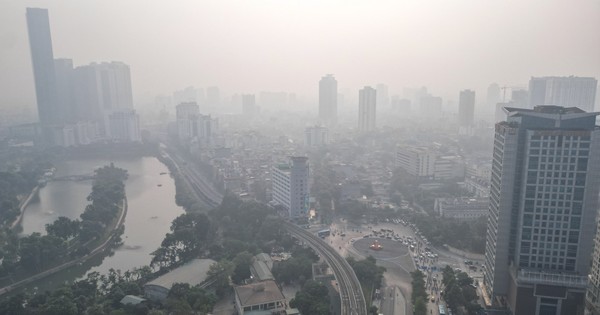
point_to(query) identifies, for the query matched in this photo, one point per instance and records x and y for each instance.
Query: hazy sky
(278, 45)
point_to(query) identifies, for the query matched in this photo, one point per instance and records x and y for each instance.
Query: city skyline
(209, 69)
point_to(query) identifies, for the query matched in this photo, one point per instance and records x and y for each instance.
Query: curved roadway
(351, 294)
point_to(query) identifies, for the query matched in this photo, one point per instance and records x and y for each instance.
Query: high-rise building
(65, 90)
(466, 112)
(543, 205)
(42, 58)
(367, 102)
(100, 90)
(328, 100)
(291, 186)
(563, 91)
(186, 113)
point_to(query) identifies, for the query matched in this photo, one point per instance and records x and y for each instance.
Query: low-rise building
(192, 273)
(429, 163)
(462, 208)
(478, 186)
(261, 298)
(261, 267)
(416, 161)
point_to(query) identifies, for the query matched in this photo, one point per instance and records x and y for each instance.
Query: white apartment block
(290, 186)
(426, 162)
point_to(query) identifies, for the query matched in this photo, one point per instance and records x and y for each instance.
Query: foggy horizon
(248, 47)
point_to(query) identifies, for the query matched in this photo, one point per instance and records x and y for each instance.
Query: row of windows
(564, 142)
(574, 224)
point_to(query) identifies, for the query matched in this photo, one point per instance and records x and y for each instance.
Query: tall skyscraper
(466, 111)
(65, 90)
(42, 58)
(291, 186)
(367, 102)
(102, 89)
(542, 214)
(563, 91)
(328, 100)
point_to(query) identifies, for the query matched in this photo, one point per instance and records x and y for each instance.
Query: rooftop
(193, 273)
(259, 293)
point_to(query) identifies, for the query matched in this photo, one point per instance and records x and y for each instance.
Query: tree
(420, 307)
(418, 286)
(242, 262)
(312, 299)
(64, 228)
(221, 271)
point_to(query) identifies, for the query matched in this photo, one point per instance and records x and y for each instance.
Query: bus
(442, 309)
(324, 233)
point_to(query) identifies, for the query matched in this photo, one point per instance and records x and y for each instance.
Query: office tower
(466, 112)
(123, 125)
(290, 186)
(186, 114)
(543, 204)
(328, 100)
(249, 105)
(65, 90)
(316, 136)
(367, 100)
(563, 91)
(383, 99)
(42, 59)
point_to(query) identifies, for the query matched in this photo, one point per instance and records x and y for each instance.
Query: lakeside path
(23, 206)
(99, 249)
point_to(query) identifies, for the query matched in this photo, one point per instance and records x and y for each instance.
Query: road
(100, 248)
(201, 187)
(351, 295)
